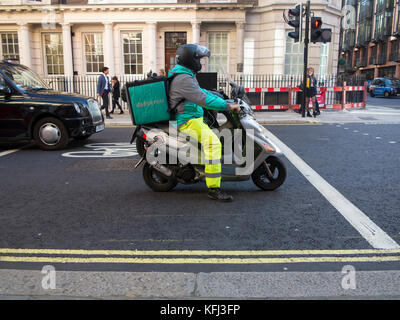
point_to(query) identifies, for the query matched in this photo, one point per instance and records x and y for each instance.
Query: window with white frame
(9, 46)
(324, 61)
(293, 57)
(218, 45)
(94, 52)
(53, 53)
(132, 47)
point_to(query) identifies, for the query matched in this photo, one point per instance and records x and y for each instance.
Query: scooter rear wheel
(263, 180)
(156, 181)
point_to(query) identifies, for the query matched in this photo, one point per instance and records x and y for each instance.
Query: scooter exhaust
(161, 168)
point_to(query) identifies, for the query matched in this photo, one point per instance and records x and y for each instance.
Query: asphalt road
(86, 199)
(392, 102)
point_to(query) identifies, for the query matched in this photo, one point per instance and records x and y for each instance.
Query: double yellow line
(196, 256)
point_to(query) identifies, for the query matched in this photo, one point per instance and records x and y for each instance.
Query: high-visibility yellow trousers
(197, 129)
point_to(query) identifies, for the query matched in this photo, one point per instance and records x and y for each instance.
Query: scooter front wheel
(156, 181)
(271, 177)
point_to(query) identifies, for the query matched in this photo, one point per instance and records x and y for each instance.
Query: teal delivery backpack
(148, 100)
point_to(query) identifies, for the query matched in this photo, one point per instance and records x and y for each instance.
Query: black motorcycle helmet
(189, 55)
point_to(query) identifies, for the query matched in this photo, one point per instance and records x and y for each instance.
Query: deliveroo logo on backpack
(149, 103)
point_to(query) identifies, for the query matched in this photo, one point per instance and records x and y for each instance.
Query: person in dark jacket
(103, 90)
(115, 94)
(311, 92)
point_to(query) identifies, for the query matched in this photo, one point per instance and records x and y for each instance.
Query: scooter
(164, 152)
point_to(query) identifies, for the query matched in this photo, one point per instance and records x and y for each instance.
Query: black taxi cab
(30, 110)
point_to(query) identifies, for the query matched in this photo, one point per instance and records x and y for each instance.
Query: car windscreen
(24, 78)
(396, 82)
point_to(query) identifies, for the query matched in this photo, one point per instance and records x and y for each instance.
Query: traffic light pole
(306, 42)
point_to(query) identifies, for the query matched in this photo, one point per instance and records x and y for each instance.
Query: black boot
(309, 114)
(217, 194)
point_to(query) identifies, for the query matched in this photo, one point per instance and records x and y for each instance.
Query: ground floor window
(293, 57)
(132, 52)
(53, 51)
(218, 45)
(389, 72)
(368, 73)
(93, 54)
(324, 53)
(9, 46)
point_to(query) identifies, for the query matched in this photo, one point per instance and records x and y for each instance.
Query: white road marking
(4, 153)
(367, 228)
(392, 142)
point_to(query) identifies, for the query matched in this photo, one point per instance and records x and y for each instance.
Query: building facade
(71, 37)
(370, 43)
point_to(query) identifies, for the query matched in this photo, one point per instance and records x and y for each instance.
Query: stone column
(240, 45)
(152, 38)
(109, 48)
(67, 50)
(24, 39)
(196, 32)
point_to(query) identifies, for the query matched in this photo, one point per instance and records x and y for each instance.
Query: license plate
(100, 128)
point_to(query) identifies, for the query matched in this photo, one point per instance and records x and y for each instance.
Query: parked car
(30, 110)
(386, 87)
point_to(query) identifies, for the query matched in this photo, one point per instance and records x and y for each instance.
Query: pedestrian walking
(116, 93)
(104, 89)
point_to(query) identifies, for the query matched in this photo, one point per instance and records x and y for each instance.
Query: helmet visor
(201, 52)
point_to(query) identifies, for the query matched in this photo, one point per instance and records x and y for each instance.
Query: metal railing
(87, 85)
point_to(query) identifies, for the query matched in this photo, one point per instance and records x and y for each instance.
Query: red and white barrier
(320, 96)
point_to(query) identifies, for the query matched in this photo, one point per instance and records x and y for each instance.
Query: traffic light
(317, 33)
(296, 23)
(316, 23)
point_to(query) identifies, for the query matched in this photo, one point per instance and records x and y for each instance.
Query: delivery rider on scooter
(188, 100)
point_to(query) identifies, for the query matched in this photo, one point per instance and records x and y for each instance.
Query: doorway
(172, 42)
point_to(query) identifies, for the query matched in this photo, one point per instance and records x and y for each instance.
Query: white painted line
(368, 229)
(392, 142)
(4, 153)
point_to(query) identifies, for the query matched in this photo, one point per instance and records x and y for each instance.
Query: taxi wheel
(50, 134)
